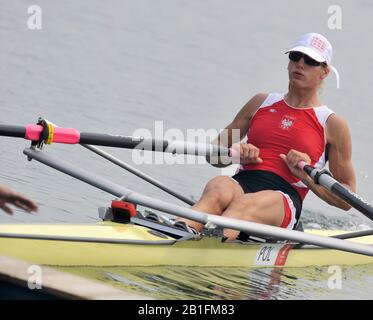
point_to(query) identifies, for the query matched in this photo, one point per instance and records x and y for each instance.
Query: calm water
(117, 66)
(236, 283)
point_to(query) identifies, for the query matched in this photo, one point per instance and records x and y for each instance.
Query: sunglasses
(296, 56)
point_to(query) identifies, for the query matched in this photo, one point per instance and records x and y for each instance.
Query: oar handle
(324, 178)
(302, 164)
(233, 153)
(305, 167)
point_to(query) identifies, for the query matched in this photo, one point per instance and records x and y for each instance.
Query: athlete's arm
(237, 129)
(340, 162)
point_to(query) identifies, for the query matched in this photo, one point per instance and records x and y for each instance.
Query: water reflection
(236, 283)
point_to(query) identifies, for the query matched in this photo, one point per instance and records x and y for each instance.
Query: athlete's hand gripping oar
(324, 178)
(50, 134)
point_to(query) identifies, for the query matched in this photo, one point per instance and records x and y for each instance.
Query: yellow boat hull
(112, 244)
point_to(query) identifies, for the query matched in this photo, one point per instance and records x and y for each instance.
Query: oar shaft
(356, 234)
(118, 141)
(12, 131)
(324, 179)
(130, 142)
(72, 136)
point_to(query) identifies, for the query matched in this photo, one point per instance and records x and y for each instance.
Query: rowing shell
(114, 244)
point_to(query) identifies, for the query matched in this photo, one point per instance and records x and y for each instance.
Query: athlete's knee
(243, 202)
(221, 185)
(220, 191)
(216, 197)
(218, 182)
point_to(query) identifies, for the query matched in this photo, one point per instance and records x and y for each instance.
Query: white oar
(245, 226)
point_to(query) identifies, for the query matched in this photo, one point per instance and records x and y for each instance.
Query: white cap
(314, 45)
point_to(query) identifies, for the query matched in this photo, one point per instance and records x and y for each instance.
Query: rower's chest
(279, 125)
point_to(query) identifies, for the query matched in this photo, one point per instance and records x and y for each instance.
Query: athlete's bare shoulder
(251, 106)
(336, 129)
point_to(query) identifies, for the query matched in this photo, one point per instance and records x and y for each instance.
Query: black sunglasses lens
(311, 62)
(296, 56)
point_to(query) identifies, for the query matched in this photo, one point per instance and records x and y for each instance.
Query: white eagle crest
(286, 123)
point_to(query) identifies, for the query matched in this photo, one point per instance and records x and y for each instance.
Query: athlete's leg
(216, 197)
(265, 207)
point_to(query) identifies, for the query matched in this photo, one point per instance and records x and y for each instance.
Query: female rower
(283, 129)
